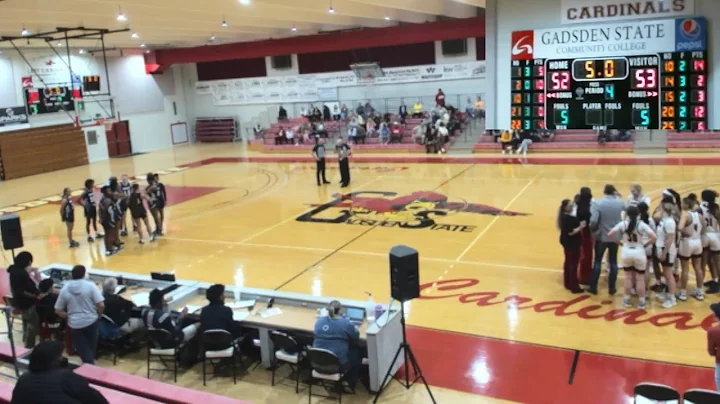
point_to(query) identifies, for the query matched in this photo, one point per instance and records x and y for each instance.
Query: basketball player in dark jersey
(158, 200)
(139, 214)
(126, 190)
(109, 220)
(87, 199)
(67, 215)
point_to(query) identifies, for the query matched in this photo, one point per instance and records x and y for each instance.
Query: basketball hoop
(367, 71)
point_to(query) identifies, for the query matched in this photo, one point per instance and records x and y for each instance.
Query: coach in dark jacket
(50, 381)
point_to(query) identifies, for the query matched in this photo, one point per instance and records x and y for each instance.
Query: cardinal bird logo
(417, 210)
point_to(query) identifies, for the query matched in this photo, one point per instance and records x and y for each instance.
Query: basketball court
(491, 264)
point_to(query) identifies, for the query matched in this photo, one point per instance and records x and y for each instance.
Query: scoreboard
(51, 99)
(663, 89)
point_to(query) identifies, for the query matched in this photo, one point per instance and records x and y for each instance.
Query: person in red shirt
(396, 132)
(440, 98)
(713, 339)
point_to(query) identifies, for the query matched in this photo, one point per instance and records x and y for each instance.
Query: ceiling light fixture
(212, 38)
(81, 51)
(293, 29)
(134, 35)
(142, 45)
(224, 24)
(245, 2)
(59, 44)
(24, 31)
(331, 10)
(147, 51)
(387, 18)
(120, 16)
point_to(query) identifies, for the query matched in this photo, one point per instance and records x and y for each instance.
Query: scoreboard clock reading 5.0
(656, 90)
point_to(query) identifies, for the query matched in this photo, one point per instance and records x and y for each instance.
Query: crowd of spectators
(613, 135)
(519, 141)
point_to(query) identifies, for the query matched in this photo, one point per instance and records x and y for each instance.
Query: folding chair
(110, 338)
(701, 396)
(327, 372)
(158, 341)
(15, 314)
(288, 351)
(218, 345)
(656, 392)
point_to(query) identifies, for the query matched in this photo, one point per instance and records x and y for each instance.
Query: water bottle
(378, 310)
(369, 311)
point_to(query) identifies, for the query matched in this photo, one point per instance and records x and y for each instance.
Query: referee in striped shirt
(318, 153)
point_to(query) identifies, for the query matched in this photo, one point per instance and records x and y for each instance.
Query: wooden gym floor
(491, 267)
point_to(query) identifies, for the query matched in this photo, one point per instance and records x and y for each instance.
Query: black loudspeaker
(404, 273)
(11, 231)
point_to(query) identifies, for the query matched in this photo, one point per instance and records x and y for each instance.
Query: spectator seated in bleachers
(370, 127)
(282, 114)
(320, 131)
(360, 135)
(613, 135)
(290, 136)
(431, 141)
(326, 113)
(396, 132)
(545, 135)
(280, 137)
(506, 138)
(418, 111)
(384, 133)
(418, 135)
(49, 380)
(352, 134)
(316, 114)
(336, 113)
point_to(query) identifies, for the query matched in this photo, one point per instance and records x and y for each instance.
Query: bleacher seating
(40, 150)
(6, 352)
(338, 128)
(573, 141)
(148, 388)
(693, 141)
(215, 129)
(6, 390)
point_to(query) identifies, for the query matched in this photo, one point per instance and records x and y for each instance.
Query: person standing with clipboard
(343, 152)
(318, 153)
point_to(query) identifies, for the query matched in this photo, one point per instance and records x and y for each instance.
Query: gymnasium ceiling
(182, 23)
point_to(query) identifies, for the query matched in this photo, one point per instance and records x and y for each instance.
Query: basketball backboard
(367, 71)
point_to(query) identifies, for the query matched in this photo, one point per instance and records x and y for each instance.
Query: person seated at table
(280, 137)
(119, 309)
(417, 111)
(49, 380)
(217, 316)
(338, 335)
(160, 317)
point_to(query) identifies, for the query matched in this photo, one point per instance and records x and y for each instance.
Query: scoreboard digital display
(91, 84)
(51, 99)
(653, 90)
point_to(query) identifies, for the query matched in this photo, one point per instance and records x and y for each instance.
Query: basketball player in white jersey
(644, 211)
(691, 228)
(633, 258)
(666, 249)
(711, 238)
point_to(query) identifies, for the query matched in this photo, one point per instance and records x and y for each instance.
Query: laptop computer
(356, 315)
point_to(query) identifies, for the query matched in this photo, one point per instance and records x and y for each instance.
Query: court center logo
(523, 42)
(418, 210)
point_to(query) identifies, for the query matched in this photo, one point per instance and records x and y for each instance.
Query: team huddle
(679, 232)
(116, 199)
